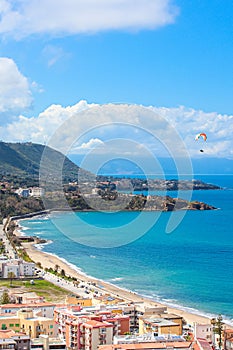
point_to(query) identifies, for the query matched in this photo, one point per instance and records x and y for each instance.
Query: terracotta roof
(204, 344)
(8, 333)
(97, 324)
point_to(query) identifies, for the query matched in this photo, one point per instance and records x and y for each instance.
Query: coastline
(48, 260)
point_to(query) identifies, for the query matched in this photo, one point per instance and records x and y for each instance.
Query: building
(44, 342)
(12, 340)
(78, 300)
(158, 326)
(149, 346)
(43, 309)
(88, 328)
(25, 297)
(31, 191)
(17, 268)
(36, 191)
(203, 331)
(28, 322)
(228, 339)
(23, 192)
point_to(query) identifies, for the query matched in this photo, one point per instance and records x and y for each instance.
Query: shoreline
(50, 260)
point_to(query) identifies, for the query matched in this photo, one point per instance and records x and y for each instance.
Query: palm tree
(56, 268)
(218, 328)
(39, 265)
(63, 273)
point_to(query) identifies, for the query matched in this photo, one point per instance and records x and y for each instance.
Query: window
(17, 325)
(51, 326)
(11, 325)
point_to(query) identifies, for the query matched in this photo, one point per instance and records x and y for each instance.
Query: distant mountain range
(203, 166)
(24, 159)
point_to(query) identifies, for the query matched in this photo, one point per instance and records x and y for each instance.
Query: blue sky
(174, 56)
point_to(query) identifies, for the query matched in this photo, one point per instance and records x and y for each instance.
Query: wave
(40, 246)
(173, 303)
(116, 279)
(141, 293)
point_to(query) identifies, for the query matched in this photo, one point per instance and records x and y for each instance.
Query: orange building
(83, 329)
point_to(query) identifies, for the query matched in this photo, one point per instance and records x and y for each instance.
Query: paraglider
(201, 135)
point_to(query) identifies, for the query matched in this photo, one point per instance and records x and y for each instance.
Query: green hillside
(23, 159)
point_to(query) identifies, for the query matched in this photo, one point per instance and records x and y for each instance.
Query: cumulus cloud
(92, 143)
(66, 17)
(162, 131)
(15, 94)
(40, 129)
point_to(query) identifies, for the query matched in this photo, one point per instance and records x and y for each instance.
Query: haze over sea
(190, 268)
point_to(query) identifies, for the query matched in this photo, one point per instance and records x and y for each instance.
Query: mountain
(203, 165)
(23, 159)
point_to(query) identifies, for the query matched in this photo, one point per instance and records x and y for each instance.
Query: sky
(89, 61)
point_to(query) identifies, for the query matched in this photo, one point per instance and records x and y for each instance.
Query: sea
(190, 267)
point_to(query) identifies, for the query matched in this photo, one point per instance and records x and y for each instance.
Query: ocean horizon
(190, 268)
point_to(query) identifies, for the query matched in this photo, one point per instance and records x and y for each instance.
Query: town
(89, 317)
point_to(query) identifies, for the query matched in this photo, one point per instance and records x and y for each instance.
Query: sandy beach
(48, 260)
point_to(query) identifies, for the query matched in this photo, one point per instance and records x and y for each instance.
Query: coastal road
(85, 292)
(10, 252)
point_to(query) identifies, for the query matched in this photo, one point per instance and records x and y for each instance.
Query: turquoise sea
(192, 267)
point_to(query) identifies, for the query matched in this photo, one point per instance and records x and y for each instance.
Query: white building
(17, 268)
(23, 192)
(31, 191)
(10, 269)
(26, 268)
(36, 191)
(203, 331)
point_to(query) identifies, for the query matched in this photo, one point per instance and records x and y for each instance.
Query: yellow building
(158, 326)
(77, 300)
(25, 321)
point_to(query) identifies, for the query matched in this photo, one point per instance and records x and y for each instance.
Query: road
(87, 290)
(10, 252)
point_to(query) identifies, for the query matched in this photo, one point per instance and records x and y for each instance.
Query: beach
(50, 261)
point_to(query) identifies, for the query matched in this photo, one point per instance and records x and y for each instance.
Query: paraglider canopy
(201, 134)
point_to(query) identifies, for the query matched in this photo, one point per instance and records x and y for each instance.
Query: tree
(63, 273)
(11, 275)
(218, 328)
(39, 264)
(5, 298)
(56, 268)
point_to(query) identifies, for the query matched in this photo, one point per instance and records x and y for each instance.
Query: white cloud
(91, 144)
(67, 17)
(40, 129)
(159, 130)
(15, 93)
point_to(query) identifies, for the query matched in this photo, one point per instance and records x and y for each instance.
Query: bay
(190, 267)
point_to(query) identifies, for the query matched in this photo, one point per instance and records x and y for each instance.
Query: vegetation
(11, 275)
(24, 255)
(11, 204)
(218, 328)
(49, 291)
(24, 161)
(5, 299)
